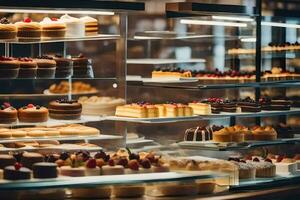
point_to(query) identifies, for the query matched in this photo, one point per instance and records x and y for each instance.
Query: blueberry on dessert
(8, 114)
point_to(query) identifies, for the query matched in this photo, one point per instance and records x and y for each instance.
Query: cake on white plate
(104, 106)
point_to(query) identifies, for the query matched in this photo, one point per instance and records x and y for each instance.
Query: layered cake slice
(201, 108)
(249, 105)
(132, 110)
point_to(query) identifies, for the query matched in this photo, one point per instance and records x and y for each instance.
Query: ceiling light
(250, 39)
(212, 23)
(43, 11)
(240, 19)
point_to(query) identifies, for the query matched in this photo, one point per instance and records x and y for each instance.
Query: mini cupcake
(27, 29)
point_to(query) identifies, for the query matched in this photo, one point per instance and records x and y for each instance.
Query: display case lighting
(250, 39)
(44, 11)
(212, 23)
(228, 18)
(278, 24)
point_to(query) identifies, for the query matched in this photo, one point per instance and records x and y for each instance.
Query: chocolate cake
(249, 105)
(44, 170)
(16, 172)
(201, 133)
(229, 106)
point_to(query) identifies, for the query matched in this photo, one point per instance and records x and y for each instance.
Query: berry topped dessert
(216, 104)
(170, 72)
(46, 66)
(16, 172)
(28, 68)
(33, 113)
(8, 114)
(9, 67)
(203, 133)
(7, 29)
(29, 29)
(53, 28)
(65, 109)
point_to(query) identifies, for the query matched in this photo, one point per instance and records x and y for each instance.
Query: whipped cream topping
(88, 19)
(47, 21)
(67, 18)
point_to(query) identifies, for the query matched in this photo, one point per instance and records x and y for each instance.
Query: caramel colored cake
(264, 133)
(32, 114)
(29, 29)
(167, 73)
(132, 110)
(28, 68)
(77, 87)
(53, 28)
(46, 67)
(201, 108)
(8, 114)
(91, 25)
(65, 109)
(230, 134)
(9, 67)
(7, 30)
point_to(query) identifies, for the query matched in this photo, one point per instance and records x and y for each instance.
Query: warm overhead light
(212, 23)
(277, 24)
(250, 39)
(86, 12)
(240, 19)
(146, 38)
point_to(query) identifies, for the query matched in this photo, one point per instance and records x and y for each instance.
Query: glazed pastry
(32, 114)
(74, 27)
(91, 25)
(16, 172)
(28, 68)
(201, 133)
(46, 67)
(170, 73)
(8, 114)
(9, 67)
(264, 133)
(29, 29)
(77, 87)
(53, 28)
(7, 30)
(65, 109)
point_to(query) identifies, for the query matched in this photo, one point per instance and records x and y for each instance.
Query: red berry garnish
(18, 166)
(279, 158)
(7, 105)
(30, 105)
(91, 163)
(255, 160)
(134, 165)
(111, 162)
(54, 19)
(27, 20)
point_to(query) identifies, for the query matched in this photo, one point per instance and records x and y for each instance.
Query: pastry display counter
(75, 123)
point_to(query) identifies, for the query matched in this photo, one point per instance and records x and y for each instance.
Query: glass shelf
(214, 146)
(53, 149)
(63, 138)
(73, 39)
(161, 61)
(54, 122)
(92, 181)
(192, 84)
(266, 182)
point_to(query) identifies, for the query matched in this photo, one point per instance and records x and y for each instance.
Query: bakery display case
(234, 66)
